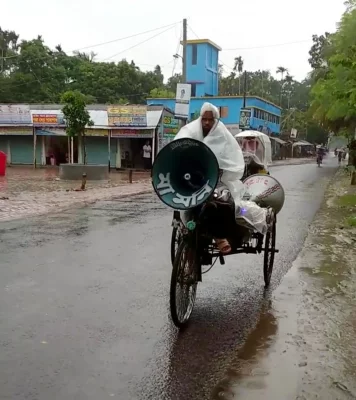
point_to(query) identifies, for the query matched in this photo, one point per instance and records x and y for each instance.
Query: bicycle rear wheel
(183, 284)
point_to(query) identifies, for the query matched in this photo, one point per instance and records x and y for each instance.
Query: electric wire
(110, 41)
(138, 44)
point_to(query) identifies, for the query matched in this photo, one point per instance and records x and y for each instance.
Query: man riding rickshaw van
(212, 132)
(257, 152)
(199, 175)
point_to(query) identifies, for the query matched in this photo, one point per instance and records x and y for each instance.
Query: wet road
(84, 301)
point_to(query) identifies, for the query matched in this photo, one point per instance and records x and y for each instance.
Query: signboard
(170, 126)
(132, 133)
(15, 114)
(245, 119)
(96, 132)
(183, 96)
(48, 119)
(50, 132)
(293, 133)
(16, 131)
(127, 116)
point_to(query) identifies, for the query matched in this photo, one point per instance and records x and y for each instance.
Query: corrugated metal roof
(98, 113)
(153, 118)
(278, 140)
(302, 143)
(99, 117)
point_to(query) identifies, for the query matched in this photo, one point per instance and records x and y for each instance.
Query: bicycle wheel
(175, 239)
(183, 285)
(269, 252)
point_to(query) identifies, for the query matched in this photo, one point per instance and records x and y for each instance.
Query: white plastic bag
(253, 214)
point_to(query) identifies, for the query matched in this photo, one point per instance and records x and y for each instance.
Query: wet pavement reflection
(84, 306)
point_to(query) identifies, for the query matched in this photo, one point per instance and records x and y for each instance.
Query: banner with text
(132, 133)
(133, 116)
(170, 126)
(48, 119)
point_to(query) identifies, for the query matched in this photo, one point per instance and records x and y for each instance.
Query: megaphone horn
(185, 173)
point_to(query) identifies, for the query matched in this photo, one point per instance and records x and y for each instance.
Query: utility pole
(184, 72)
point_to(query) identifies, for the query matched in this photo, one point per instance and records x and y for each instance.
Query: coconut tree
(239, 67)
(282, 71)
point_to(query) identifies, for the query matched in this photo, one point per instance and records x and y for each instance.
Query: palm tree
(85, 56)
(288, 81)
(239, 67)
(282, 71)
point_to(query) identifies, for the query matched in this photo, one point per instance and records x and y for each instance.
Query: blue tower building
(202, 72)
(203, 67)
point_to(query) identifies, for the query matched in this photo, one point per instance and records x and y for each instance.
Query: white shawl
(224, 146)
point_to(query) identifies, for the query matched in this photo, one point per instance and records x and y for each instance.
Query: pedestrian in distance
(146, 154)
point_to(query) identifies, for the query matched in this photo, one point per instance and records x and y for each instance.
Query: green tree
(173, 81)
(77, 119)
(334, 95)
(239, 67)
(162, 94)
(34, 73)
(319, 54)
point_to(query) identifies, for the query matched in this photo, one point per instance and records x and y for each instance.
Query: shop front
(131, 128)
(97, 146)
(17, 144)
(16, 133)
(50, 140)
(128, 144)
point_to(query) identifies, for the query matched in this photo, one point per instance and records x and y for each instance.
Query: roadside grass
(351, 221)
(348, 200)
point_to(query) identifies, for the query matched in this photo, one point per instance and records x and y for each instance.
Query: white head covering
(223, 145)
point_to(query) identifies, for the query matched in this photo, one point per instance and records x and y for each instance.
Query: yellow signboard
(96, 132)
(127, 116)
(16, 131)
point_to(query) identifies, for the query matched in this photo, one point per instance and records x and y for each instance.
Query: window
(193, 92)
(265, 116)
(194, 54)
(224, 112)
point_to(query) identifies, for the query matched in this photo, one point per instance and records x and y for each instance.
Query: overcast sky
(258, 30)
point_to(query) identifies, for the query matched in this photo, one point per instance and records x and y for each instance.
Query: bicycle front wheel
(183, 284)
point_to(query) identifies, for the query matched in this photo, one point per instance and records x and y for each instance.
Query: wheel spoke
(183, 286)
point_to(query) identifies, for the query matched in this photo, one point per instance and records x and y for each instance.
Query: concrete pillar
(118, 154)
(43, 150)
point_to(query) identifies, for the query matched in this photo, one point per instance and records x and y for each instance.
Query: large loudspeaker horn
(185, 173)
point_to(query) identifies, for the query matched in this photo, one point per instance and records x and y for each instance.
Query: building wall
(202, 69)
(230, 108)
